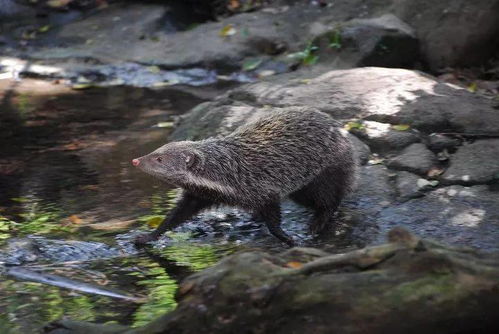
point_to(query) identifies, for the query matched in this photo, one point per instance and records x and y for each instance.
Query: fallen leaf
(72, 146)
(45, 28)
(472, 87)
(354, 125)
(28, 35)
(75, 219)
(164, 124)
(80, 86)
(164, 83)
(154, 221)
(401, 127)
(375, 161)
(265, 73)
(92, 187)
(294, 264)
(228, 30)
(435, 171)
(233, 4)
(185, 287)
(101, 4)
(57, 3)
(154, 69)
(251, 64)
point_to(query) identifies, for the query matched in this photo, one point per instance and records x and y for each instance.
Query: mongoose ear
(191, 159)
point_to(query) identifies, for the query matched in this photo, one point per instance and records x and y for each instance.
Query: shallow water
(65, 174)
(70, 204)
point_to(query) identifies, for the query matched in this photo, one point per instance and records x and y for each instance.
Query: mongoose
(298, 152)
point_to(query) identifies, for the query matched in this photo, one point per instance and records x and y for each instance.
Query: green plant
(335, 40)
(307, 56)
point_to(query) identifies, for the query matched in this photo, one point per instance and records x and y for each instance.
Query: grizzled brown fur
(299, 152)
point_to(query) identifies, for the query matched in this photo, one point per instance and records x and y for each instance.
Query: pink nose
(135, 162)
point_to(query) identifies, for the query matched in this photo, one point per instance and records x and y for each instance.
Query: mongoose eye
(159, 159)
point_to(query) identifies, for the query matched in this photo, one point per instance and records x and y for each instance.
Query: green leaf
(154, 221)
(307, 56)
(472, 87)
(310, 59)
(45, 28)
(251, 64)
(164, 124)
(154, 69)
(353, 125)
(228, 30)
(81, 86)
(335, 40)
(401, 127)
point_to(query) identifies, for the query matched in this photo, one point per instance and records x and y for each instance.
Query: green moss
(435, 288)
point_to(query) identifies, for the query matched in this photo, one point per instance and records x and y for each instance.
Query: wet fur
(299, 152)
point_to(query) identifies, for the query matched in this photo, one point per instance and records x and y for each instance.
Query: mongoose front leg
(271, 214)
(187, 207)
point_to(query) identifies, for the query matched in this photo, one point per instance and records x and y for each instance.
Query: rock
(143, 25)
(373, 189)
(373, 193)
(415, 159)
(386, 95)
(12, 10)
(407, 186)
(380, 33)
(213, 118)
(453, 33)
(474, 163)
(37, 249)
(363, 151)
(412, 186)
(384, 41)
(438, 142)
(458, 215)
(433, 287)
(381, 137)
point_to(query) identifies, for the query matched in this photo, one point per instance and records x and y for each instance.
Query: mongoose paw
(143, 239)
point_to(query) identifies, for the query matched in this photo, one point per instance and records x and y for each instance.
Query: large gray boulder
(455, 33)
(393, 96)
(474, 163)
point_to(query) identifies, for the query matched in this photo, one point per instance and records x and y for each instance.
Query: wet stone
(474, 163)
(362, 150)
(407, 186)
(456, 215)
(438, 142)
(36, 248)
(384, 41)
(382, 138)
(415, 159)
(411, 186)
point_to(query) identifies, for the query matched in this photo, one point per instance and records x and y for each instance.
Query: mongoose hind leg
(271, 214)
(321, 221)
(187, 207)
(323, 195)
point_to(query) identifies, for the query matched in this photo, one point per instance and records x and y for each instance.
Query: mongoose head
(172, 162)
